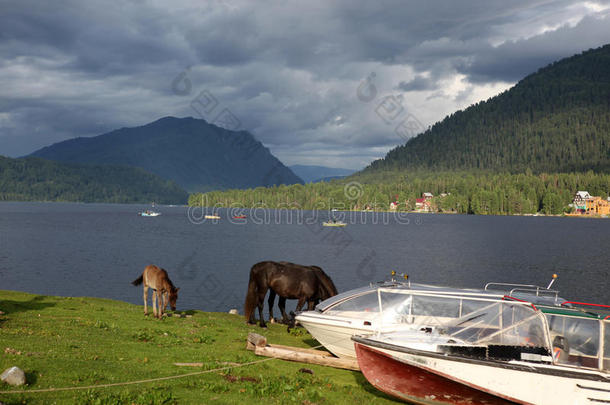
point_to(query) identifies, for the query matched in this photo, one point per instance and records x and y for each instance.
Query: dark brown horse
(164, 291)
(288, 280)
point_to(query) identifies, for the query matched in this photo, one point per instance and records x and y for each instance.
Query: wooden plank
(303, 350)
(292, 355)
(189, 364)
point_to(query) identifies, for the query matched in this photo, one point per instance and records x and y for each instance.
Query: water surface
(98, 249)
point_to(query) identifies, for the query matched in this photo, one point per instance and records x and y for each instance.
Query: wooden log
(256, 339)
(303, 350)
(302, 357)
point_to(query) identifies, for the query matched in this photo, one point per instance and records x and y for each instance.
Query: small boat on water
(334, 223)
(149, 213)
(213, 216)
(539, 351)
(239, 217)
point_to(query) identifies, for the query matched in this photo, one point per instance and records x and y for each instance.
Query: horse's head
(173, 297)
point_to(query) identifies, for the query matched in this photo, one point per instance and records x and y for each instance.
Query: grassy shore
(76, 342)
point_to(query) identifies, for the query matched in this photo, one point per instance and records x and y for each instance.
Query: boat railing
(526, 288)
(602, 309)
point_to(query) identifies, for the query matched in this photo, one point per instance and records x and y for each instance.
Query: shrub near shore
(74, 342)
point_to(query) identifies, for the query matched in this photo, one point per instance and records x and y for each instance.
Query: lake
(70, 249)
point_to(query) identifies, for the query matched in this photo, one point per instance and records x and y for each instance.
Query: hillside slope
(555, 120)
(314, 174)
(195, 154)
(35, 179)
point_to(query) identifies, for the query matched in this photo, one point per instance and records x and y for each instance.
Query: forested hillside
(555, 120)
(35, 179)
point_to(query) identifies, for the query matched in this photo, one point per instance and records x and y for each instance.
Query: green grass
(77, 342)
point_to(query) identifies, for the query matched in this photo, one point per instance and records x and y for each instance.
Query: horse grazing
(288, 280)
(164, 291)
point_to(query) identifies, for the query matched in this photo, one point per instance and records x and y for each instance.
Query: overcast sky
(336, 83)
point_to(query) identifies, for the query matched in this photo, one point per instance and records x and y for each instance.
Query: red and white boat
(507, 351)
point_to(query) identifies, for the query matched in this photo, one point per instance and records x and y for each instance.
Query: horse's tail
(138, 280)
(252, 295)
(326, 286)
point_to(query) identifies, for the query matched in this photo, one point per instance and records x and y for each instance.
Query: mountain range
(197, 155)
(554, 120)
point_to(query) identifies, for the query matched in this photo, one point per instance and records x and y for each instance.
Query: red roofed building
(423, 204)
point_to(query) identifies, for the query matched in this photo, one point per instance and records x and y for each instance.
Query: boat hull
(517, 381)
(334, 334)
(413, 384)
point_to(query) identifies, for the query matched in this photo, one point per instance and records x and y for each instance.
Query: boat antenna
(552, 281)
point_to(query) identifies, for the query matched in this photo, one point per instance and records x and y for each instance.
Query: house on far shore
(424, 204)
(586, 204)
(581, 198)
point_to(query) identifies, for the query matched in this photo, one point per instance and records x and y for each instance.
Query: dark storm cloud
(513, 60)
(290, 71)
(419, 83)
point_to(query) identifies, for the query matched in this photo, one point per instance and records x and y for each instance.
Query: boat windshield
(576, 339)
(391, 306)
(502, 323)
(366, 302)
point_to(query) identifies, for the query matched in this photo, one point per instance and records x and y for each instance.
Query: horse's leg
(165, 300)
(282, 304)
(154, 302)
(261, 303)
(271, 301)
(145, 300)
(161, 298)
(300, 304)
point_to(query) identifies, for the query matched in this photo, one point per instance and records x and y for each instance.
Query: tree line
(465, 192)
(35, 179)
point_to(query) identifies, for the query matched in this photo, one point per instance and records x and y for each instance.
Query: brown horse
(288, 280)
(311, 303)
(164, 291)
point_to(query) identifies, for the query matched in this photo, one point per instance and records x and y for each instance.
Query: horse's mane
(171, 285)
(326, 283)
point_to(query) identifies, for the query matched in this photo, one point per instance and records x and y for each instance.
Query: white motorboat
(391, 306)
(149, 213)
(334, 223)
(507, 351)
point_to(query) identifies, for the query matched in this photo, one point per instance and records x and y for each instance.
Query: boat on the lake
(512, 350)
(334, 222)
(396, 305)
(239, 216)
(212, 216)
(149, 213)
